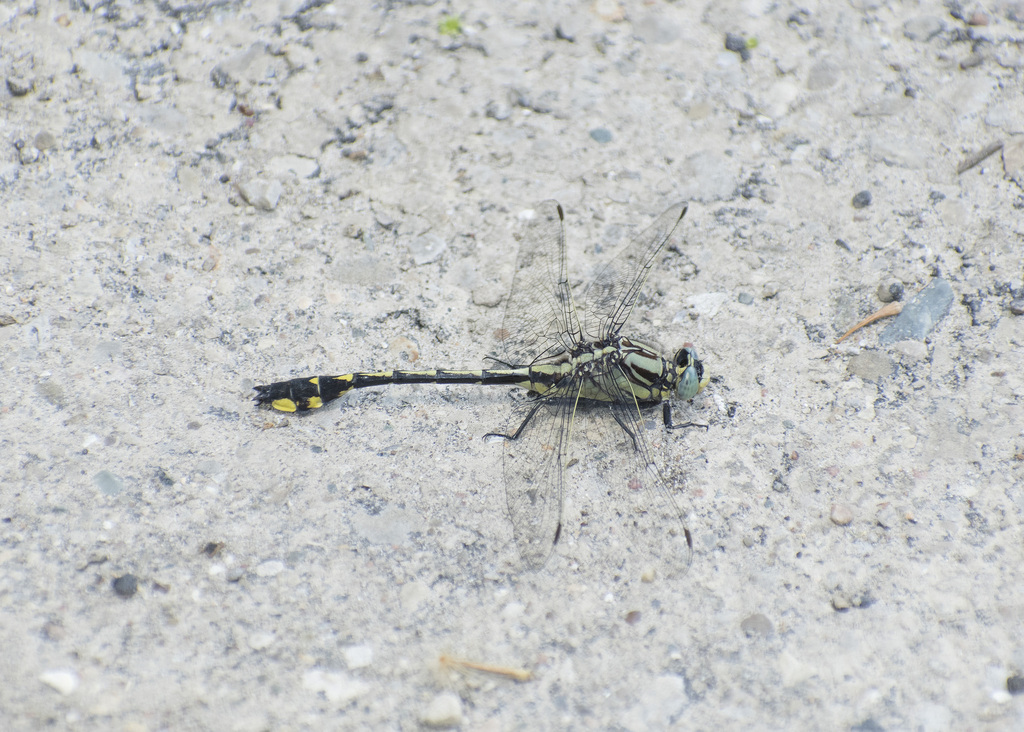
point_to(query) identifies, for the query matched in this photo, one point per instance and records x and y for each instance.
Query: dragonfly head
(692, 378)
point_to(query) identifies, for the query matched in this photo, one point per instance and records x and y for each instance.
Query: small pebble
(745, 298)
(633, 617)
(1015, 684)
(19, 86)
(358, 656)
(62, 680)
(261, 194)
(497, 110)
(911, 351)
(44, 140)
(600, 134)
(427, 248)
(28, 154)
(756, 625)
(737, 44)
(862, 199)
(936, 196)
(770, 290)
(870, 366)
(841, 515)
(975, 59)
(339, 688)
(1017, 306)
(126, 585)
(886, 516)
(445, 710)
(260, 640)
(108, 483)
(53, 630)
(891, 290)
(270, 568)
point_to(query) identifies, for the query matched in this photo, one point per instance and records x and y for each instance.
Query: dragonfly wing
(540, 319)
(653, 516)
(539, 433)
(612, 294)
(648, 506)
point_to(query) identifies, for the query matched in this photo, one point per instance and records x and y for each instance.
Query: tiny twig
(519, 674)
(971, 160)
(893, 308)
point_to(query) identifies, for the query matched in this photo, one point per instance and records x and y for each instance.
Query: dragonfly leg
(522, 426)
(666, 413)
(626, 429)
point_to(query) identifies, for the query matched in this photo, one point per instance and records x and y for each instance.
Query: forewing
(612, 294)
(540, 321)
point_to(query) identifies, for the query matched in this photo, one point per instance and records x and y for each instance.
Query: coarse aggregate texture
(202, 196)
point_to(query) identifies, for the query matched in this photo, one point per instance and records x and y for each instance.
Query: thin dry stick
(519, 674)
(893, 308)
(971, 160)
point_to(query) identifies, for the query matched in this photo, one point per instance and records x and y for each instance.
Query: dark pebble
(862, 199)
(362, 58)
(737, 44)
(1015, 684)
(126, 586)
(19, 86)
(600, 134)
(1017, 306)
(890, 291)
(745, 298)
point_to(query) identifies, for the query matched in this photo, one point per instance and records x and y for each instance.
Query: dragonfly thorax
(620, 369)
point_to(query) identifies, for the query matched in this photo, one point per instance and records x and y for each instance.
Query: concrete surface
(199, 197)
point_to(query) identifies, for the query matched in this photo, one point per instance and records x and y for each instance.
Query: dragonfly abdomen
(312, 392)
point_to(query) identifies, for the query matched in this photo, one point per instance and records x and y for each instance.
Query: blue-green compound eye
(693, 379)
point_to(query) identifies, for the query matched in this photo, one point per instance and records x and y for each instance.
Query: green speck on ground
(449, 25)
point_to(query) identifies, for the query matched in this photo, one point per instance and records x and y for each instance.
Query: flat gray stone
(920, 315)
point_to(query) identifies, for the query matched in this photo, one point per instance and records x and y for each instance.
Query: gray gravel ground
(199, 197)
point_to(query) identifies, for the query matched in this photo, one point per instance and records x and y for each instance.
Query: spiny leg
(626, 429)
(537, 404)
(666, 413)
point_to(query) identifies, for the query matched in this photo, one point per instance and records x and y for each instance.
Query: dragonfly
(577, 367)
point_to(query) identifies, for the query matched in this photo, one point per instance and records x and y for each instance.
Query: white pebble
(445, 710)
(63, 680)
